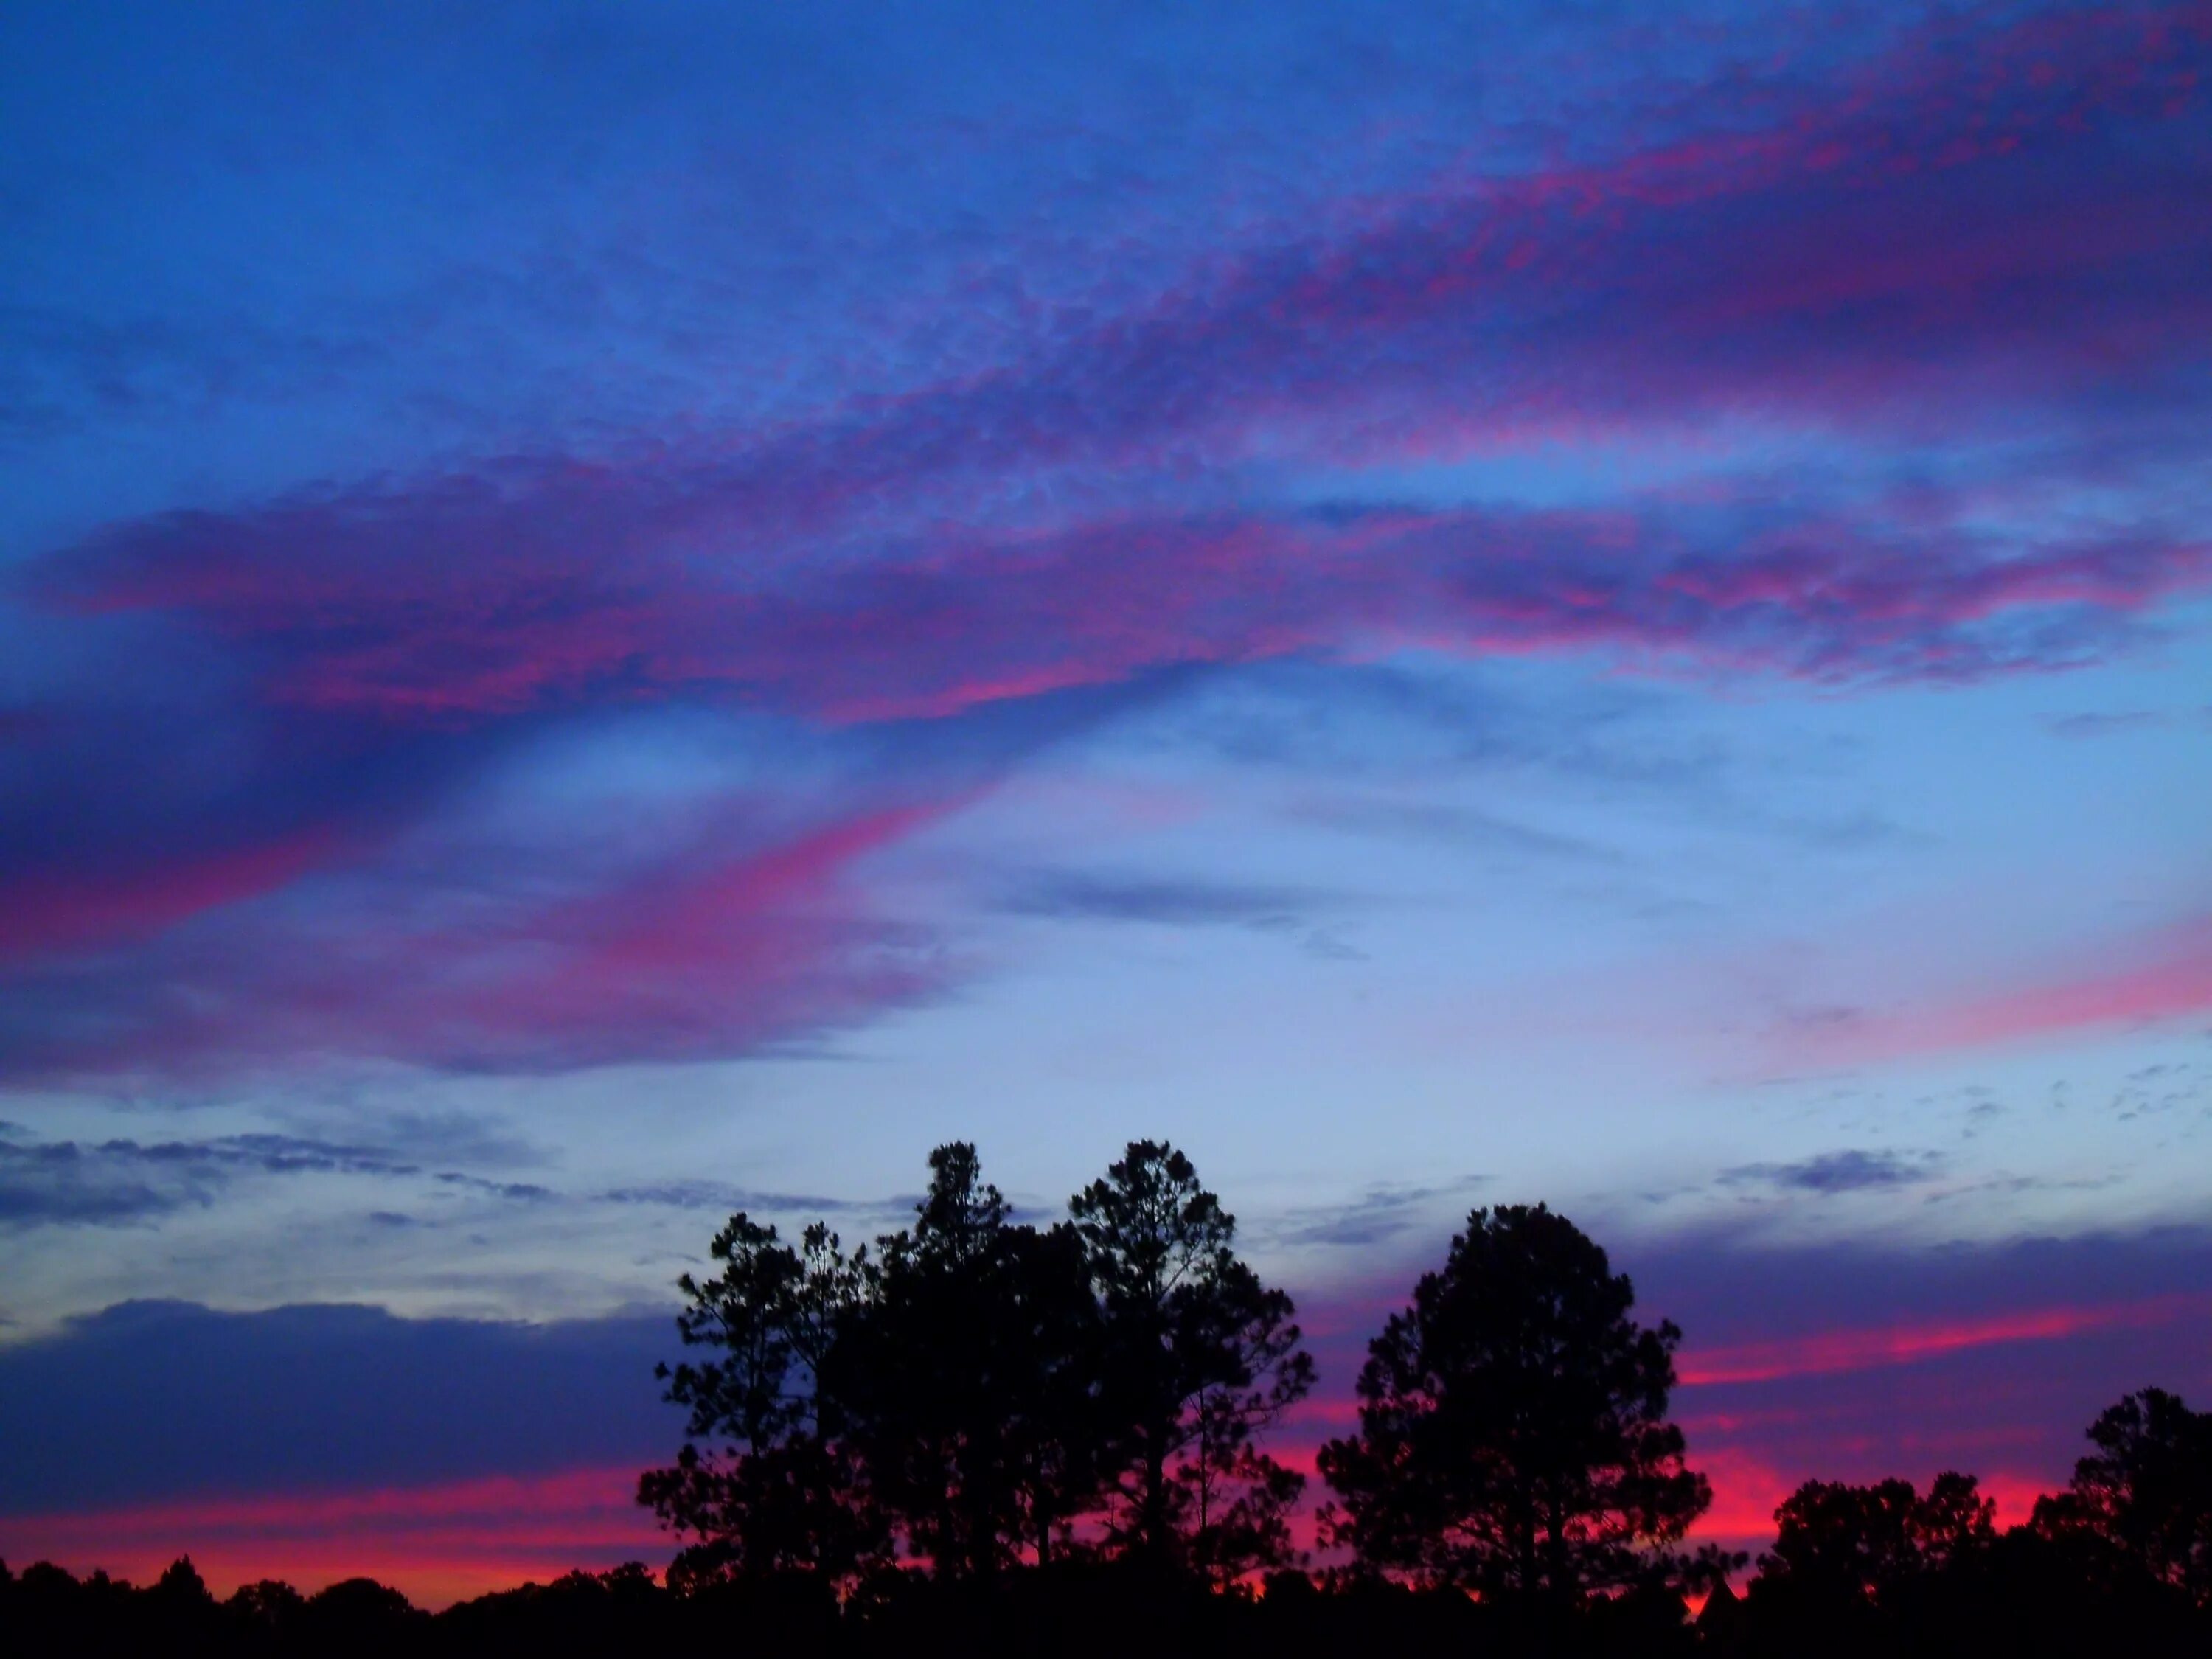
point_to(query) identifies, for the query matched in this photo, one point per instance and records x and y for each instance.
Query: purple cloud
(1990, 223)
(726, 951)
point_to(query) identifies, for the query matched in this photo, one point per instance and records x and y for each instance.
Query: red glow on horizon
(455, 1540)
(1748, 1489)
(438, 1544)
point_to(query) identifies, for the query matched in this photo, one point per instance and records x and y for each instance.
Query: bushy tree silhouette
(1027, 1438)
(1513, 1433)
(1839, 1543)
(765, 1483)
(1200, 1358)
(979, 1393)
(2144, 1499)
(969, 1379)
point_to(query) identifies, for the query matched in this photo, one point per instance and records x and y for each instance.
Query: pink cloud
(47, 913)
(718, 954)
(2176, 983)
(987, 619)
(1828, 1352)
(1960, 226)
(2149, 981)
(741, 949)
(1963, 237)
(1952, 230)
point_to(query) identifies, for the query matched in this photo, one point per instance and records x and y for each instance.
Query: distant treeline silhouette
(1049, 1440)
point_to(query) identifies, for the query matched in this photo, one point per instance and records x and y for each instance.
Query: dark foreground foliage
(977, 1397)
(2018, 1595)
(985, 1395)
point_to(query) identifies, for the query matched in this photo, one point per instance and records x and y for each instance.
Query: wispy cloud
(2156, 979)
(1833, 1352)
(1954, 247)
(721, 1198)
(116, 1182)
(1381, 1213)
(1848, 1171)
(1163, 900)
(728, 953)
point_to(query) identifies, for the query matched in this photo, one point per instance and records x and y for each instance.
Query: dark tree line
(1049, 1440)
(2119, 1562)
(975, 1394)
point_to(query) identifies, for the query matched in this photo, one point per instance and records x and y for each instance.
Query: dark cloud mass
(1170, 902)
(298, 1399)
(113, 1183)
(1851, 1171)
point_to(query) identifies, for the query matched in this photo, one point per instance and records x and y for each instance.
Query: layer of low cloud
(118, 1181)
(1837, 1361)
(1166, 900)
(150, 1402)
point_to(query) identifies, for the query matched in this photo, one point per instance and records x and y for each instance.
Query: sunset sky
(612, 613)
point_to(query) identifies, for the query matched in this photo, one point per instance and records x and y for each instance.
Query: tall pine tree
(1200, 1358)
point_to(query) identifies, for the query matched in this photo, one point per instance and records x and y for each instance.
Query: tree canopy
(1866, 1543)
(899, 1436)
(2143, 1500)
(1513, 1432)
(977, 1392)
(1201, 1358)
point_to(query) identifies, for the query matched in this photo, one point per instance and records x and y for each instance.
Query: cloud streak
(2160, 979)
(996, 617)
(1851, 1171)
(1830, 1353)
(117, 1182)
(1952, 272)
(729, 953)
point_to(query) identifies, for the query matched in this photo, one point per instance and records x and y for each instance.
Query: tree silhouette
(2145, 1498)
(1513, 1434)
(1836, 1542)
(967, 1382)
(780, 1492)
(941, 1394)
(1201, 1358)
(977, 1389)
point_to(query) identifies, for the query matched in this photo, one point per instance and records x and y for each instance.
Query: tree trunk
(1155, 1525)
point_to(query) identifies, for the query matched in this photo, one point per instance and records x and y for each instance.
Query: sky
(610, 614)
